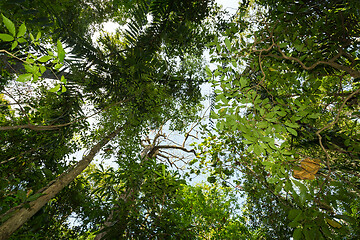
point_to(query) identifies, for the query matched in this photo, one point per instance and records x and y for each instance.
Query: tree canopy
(280, 150)
(287, 116)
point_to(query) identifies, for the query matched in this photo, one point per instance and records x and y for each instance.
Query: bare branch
(174, 147)
(193, 126)
(12, 55)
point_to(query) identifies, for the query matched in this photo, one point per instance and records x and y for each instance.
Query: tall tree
(287, 115)
(134, 72)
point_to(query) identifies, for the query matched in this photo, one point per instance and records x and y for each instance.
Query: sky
(229, 5)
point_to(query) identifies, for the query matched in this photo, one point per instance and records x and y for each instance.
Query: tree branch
(174, 147)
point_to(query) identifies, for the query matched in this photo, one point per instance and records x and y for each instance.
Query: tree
(286, 111)
(31, 159)
(146, 92)
(172, 209)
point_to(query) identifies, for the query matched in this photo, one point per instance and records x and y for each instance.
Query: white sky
(229, 5)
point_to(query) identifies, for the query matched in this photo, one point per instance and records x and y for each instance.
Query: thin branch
(4, 51)
(331, 62)
(174, 147)
(193, 126)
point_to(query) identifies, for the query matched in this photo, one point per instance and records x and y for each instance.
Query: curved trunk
(19, 215)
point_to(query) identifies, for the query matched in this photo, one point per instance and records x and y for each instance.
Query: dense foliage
(281, 153)
(287, 116)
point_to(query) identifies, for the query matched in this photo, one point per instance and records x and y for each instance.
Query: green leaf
(272, 145)
(297, 235)
(218, 48)
(35, 77)
(38, 36)
(301, 186)
(326, 231)
(316, 85)
(272, 180)
(9, 25)
(21, 40)
(213, 115)
(58, 66)
(24, 77)
(288, 186)
(293, 213)
(31, 68)
(314, 115)
(44, 58)
(55, 89)
(14, 45)
(333, 223)
(22, 30)
(60, 51)
(257, 149)
(282, 45)
(63, 79)
(278, 187)
(299, 47)
(42, 69)
(296, 220)
(243, 82)
(63, 88)
(310, 234)
(6, 37)
(303, 196)
(32, 37)
(281, 113)
(234, 64)
(263, 124)
(295, 223)
(292, 131)
(282, 170)
(228, 44)
(208, 71)
(291, 124)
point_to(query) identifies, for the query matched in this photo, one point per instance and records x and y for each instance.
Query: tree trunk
(20, 215)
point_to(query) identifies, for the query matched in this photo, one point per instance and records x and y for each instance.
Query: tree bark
(20, 215)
